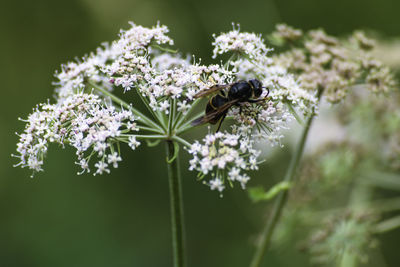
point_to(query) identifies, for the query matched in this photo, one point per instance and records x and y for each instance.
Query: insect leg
(257, 100)
(220, 122)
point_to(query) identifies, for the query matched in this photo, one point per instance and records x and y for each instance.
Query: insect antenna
(267, 91)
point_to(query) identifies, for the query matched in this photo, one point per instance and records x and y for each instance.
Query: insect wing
(211, 90)
(214, 116)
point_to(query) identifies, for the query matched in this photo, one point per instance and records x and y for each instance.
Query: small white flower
(164, 106)
(217, 184)
(133, 143)
(101, 167)
(84, 164)
(113, 159)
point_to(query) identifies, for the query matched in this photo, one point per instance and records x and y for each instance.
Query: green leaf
(258, 194)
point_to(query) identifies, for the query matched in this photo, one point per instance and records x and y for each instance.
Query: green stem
(182, 141)
(188, 125)
(359, 203)
(144, 128)
(164, 49)
(171, 116)
(176, 203)
(149, 136)
(155, 114)
(283, 196)
(348, 259)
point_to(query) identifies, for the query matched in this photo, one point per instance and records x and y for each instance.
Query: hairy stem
(283, 196)
(176, 203)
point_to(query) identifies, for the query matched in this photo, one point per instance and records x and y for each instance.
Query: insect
(236, 94)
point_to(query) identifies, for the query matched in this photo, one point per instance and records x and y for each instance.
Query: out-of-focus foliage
(347, 194)
(60, 219)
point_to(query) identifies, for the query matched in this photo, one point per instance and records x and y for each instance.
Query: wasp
(229, 95)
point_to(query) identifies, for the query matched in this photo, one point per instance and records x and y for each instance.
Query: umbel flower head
(88, 115)
(85, 123)
(225, 155)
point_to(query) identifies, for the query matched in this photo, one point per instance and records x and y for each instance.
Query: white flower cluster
(225, 155)
(267, 119)
(166, 61)
(246, 43)
(159, 77)
(122, 56)
(167, 85)
(263, 120)
(73, 75)
(81, 121)
(164, 77)
(140, 37)
(182, 84)
(283, 86)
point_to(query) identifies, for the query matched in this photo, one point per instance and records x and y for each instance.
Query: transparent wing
(209, 91)
(214, 116)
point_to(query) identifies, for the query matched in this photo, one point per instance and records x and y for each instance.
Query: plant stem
(176, 203)
(171, 116)
(188, 125)
(155, 114)
(182, 141)
(283, 196)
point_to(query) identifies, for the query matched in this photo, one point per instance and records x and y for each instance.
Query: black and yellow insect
(229, 95)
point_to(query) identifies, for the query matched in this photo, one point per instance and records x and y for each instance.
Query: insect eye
(256, 84)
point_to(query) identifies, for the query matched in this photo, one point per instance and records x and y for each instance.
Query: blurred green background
(122, 219)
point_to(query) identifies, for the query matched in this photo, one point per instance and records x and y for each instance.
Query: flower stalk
(176, 203)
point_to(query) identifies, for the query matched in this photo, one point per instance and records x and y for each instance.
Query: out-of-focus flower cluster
(348, 235)
(82, 121)
(322, 62)
(375, 123)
